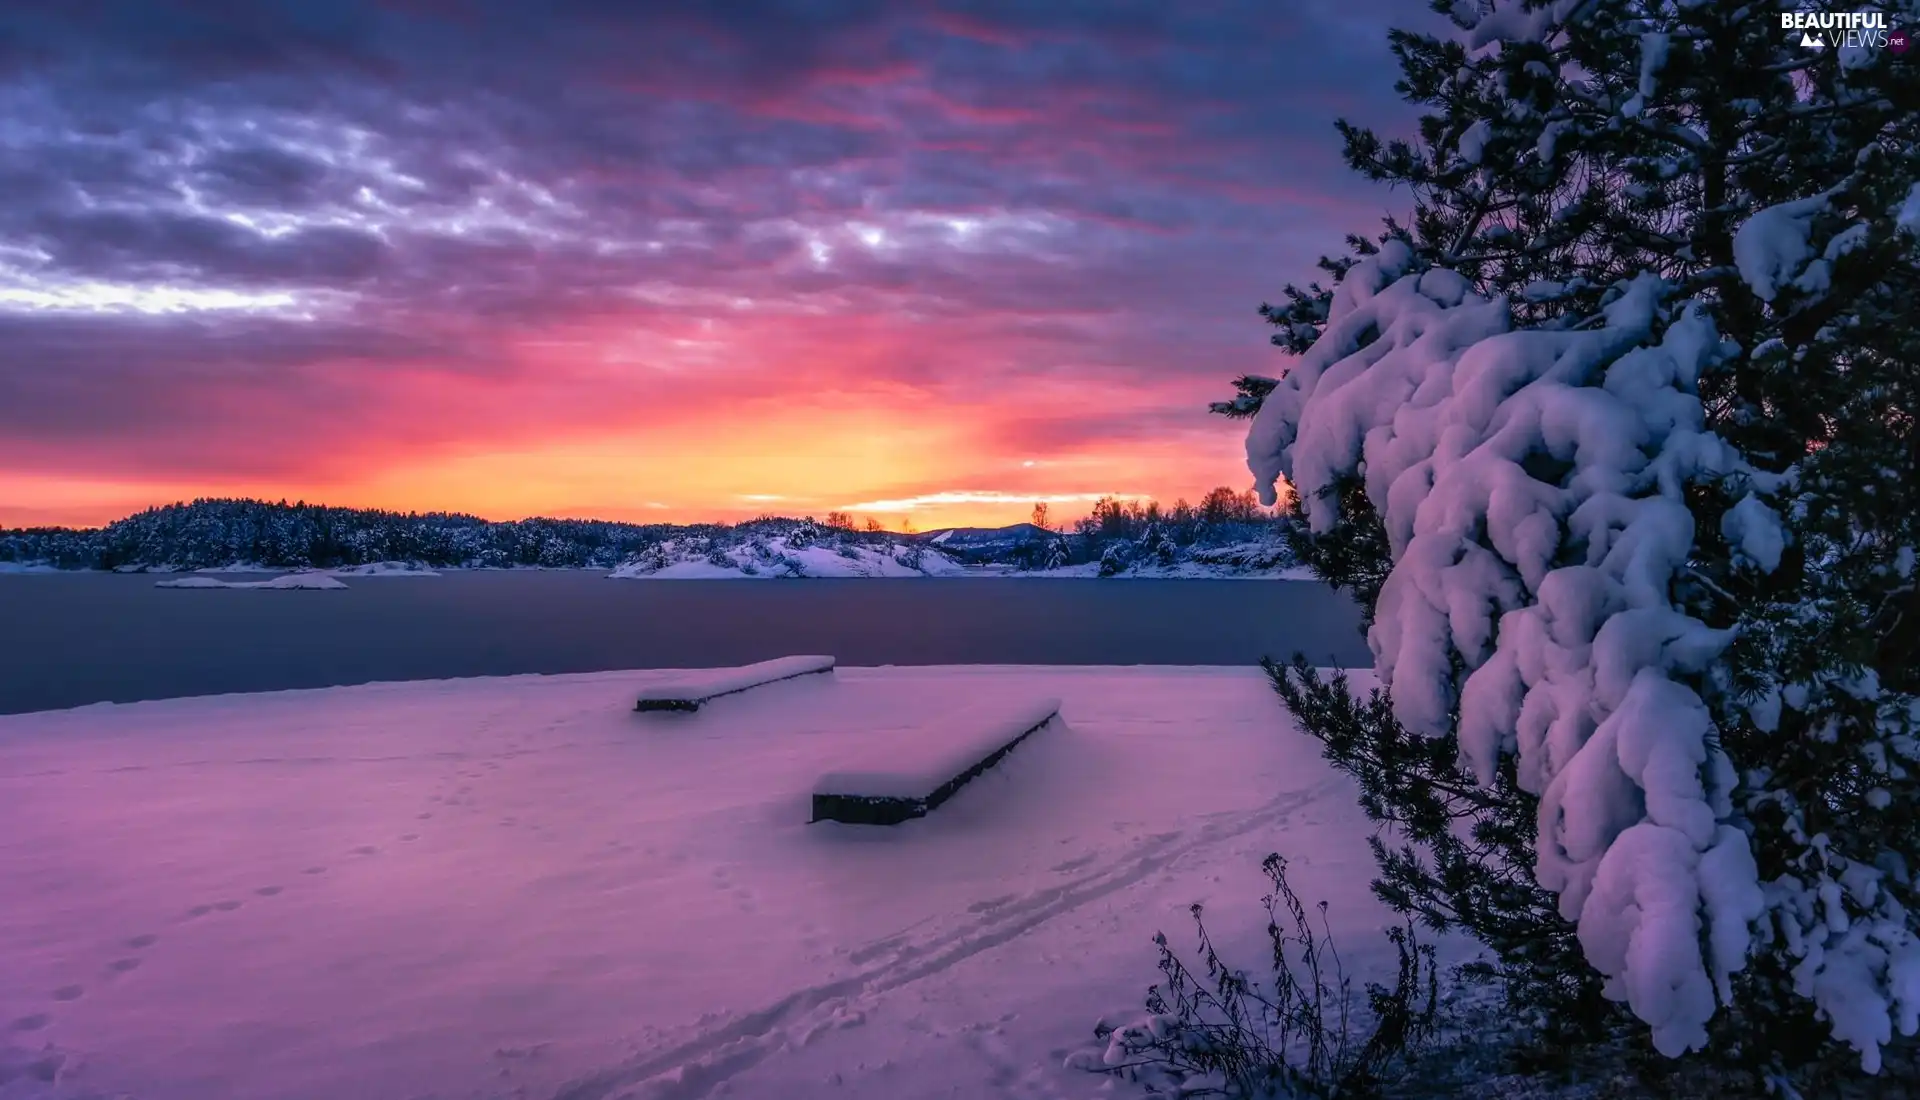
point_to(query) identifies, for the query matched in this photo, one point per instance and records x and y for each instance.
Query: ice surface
(492, 888)
(307, 581)
(701, 685)
(916, 761)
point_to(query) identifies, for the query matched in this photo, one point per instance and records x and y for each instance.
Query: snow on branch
(1483, 22)
(1772, 246)
(1531, 487)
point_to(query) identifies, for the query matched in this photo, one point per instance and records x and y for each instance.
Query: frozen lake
(71, 639)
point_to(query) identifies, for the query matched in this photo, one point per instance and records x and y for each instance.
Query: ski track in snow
(697, 1066)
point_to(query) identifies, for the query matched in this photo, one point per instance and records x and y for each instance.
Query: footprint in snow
(43, 1066)
(32, 1023)
(145, 939)
(69, 993)
(267, 891)
(122, 966)
(990, 904)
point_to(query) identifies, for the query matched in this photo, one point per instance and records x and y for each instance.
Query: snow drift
(692, 689)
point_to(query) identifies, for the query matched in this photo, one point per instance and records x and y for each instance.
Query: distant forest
(212, 533)
(225, 532)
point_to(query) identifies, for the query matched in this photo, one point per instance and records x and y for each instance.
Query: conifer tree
(1565, 148)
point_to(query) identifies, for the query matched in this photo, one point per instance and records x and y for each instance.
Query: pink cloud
(881, 253)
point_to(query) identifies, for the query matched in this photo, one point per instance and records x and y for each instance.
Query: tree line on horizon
(208, 533)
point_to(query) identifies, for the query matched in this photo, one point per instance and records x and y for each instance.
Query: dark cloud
(1081, 184)
(171, 247)
(262, 175)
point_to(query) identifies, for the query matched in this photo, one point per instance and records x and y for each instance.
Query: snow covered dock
(923, 767)
(492, 888)
(694, 689)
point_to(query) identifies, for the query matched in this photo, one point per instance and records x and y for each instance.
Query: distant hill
(985, 539)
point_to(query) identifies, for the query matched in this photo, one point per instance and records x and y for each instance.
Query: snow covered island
(310, 582)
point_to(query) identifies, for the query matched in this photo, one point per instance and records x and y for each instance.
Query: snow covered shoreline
(776, 549)
(515, 886)
(695, 571)
(286, 582)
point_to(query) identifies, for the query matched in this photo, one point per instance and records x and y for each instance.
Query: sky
(925, 260)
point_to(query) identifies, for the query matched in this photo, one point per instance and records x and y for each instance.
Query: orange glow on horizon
(805, 417)
(903, 475)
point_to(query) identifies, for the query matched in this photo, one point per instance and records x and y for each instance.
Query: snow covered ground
(384, 569)
(518, 887)
(369, 569)
(284, 582)
(1185, 571)
(778, 556)
(774, 558)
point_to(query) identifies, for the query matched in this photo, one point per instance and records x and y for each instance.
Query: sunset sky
(920, 260)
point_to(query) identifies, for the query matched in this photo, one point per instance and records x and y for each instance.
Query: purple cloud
(215, 216)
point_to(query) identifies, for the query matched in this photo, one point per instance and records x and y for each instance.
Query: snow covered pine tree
(1616, 445)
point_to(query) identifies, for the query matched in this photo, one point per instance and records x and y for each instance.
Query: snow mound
(232, 567)
(304, 581)
(24, 568)
(697, 687)
(916, 762)
(384, 569)
(1530, 484)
